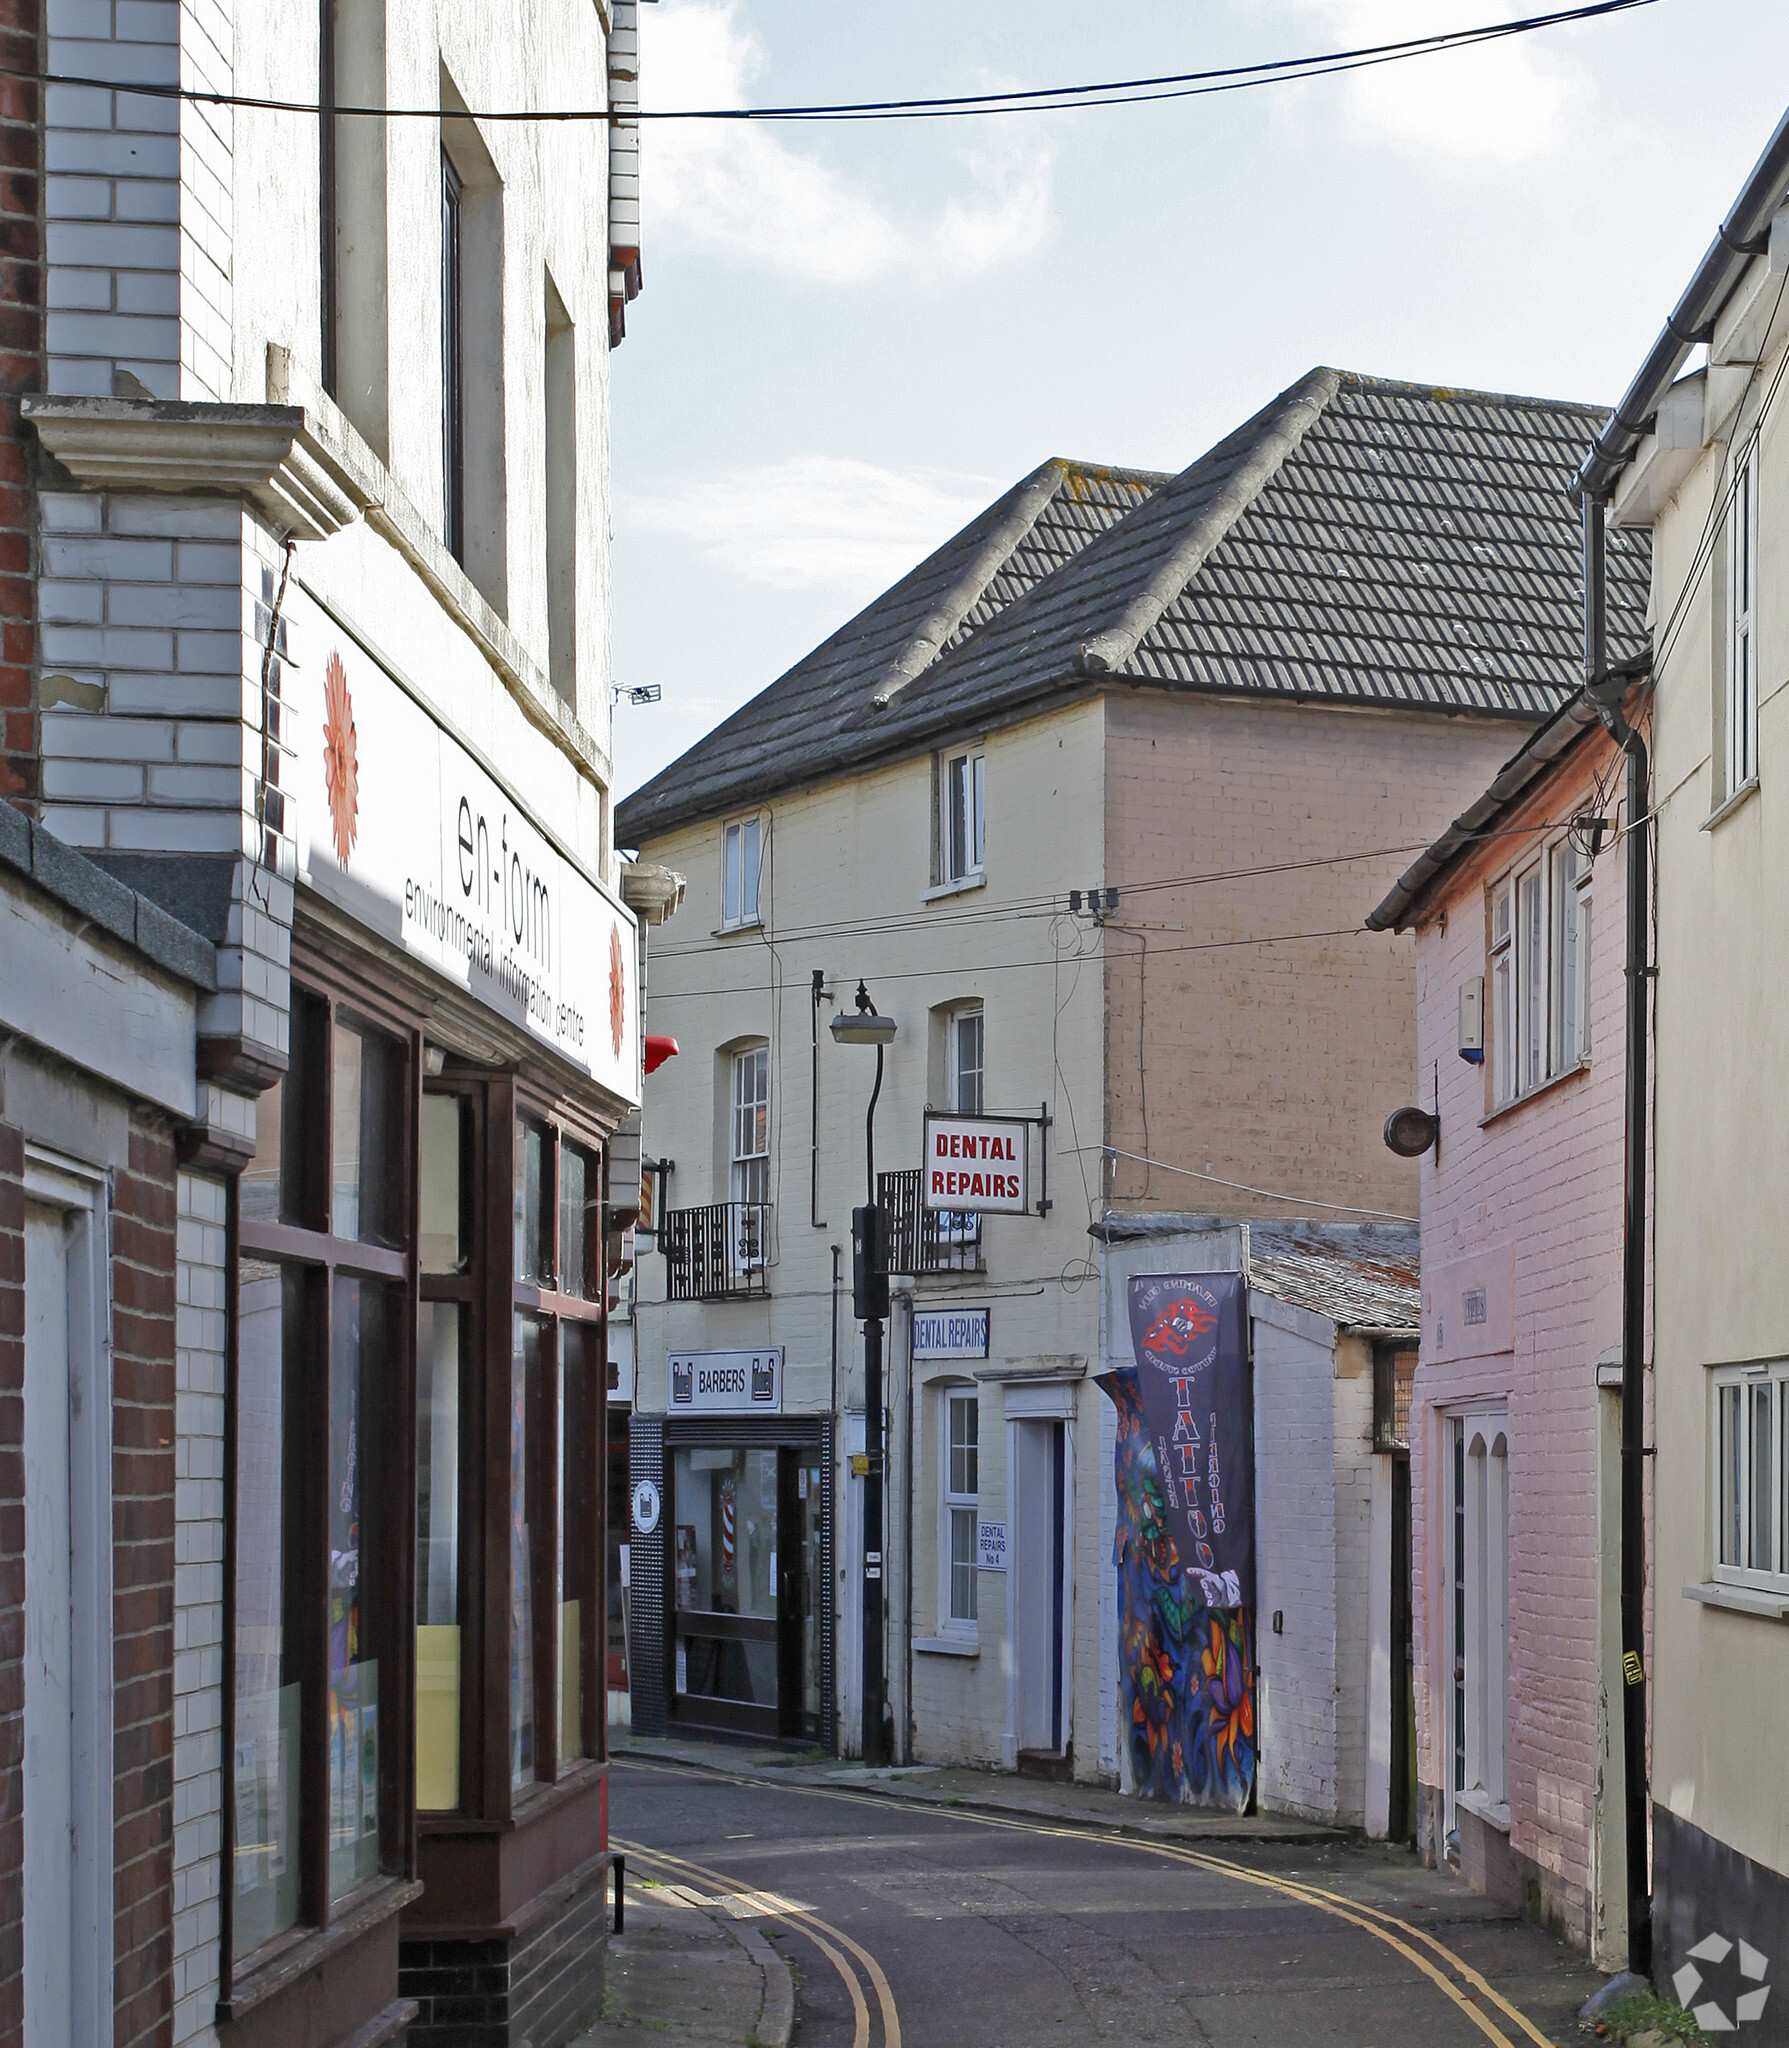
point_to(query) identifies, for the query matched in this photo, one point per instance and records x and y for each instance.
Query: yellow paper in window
(571, 1683)
(437, 1718)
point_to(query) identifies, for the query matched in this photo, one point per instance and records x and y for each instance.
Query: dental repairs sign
(399, 826)
(977, 1164)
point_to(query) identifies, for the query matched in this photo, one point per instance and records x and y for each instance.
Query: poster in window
(1192, 1370)
(686, 1564)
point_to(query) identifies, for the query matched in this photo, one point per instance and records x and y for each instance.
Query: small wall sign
(950, 1333)
(990, 1546)
(727, 1382)
(646, 1507)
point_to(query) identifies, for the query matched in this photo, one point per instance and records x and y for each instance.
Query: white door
(49, 1676)
(1035, 1560)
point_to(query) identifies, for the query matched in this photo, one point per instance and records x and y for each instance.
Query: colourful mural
(1186, 1697)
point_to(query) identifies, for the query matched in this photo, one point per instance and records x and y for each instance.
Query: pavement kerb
(776, 2017)
(1294, 1834)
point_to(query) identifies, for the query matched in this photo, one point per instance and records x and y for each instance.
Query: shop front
(732, 1556)
(417, 1572)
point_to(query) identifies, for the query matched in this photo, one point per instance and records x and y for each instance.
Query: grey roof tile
(1356, 542)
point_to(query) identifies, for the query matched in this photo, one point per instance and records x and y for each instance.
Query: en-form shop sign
(398, 825)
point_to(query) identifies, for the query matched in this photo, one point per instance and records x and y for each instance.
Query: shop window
(959, 1497)
(1750, 1491)
(320, 1719)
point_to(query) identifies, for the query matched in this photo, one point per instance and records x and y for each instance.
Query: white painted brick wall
(137, 201)
(198, 1604)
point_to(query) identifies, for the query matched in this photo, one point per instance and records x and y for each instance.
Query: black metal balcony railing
(922, 1240)
(714, 1253)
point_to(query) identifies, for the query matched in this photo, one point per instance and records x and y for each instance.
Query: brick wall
(143, 1570)
(21, 372)
(12, 1586)
(198, 1602)
(1271, 1066)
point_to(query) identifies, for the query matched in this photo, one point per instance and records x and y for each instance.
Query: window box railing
(718, 1252)
(922, 1240)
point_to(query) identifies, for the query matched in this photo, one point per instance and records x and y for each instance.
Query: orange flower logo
(341, 758)
(617, 989)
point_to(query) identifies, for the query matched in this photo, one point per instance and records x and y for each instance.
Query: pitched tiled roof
(810, 721)
(1357, 542)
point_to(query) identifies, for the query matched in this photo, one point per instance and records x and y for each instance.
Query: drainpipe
(1605, 693)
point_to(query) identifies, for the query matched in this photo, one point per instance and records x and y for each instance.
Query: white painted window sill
(1481, 1808)
(1539, 1089)
(1757, 1600)
(732, 931)
(1725, 809)
(946, 1646)
(960, 887)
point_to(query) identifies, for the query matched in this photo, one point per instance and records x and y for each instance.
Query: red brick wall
(143, 1216)
(21, 371)
(12, 1586)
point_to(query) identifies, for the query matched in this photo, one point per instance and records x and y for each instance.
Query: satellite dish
(1410, 1132)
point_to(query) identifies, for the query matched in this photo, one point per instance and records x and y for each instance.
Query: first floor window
(1503, 992)
(751, 1125)
(742, 860)
(1478, 1611)
(1571, 956)
(962, 1483)
(1742, 622)
(1751, 1474)
(964, 794)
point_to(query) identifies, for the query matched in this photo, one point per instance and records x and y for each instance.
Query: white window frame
(742, 857)
(1743, 1530)
(1569, 887)
(1742, 622)
(1535, 1034)
(965, 768)
(748, 1149)
(957, 1509)
(1476, 1444)
(954, 1091)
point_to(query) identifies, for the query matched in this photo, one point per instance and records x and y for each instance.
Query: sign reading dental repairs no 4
(977, 1164)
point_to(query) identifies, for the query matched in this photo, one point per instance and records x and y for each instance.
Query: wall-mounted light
(1409, 1132)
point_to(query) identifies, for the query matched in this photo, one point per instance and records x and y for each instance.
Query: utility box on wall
(1472, 1020)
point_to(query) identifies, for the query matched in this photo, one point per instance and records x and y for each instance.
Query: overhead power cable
(1027, 100)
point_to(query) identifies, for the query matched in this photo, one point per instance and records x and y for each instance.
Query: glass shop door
(725, 1649)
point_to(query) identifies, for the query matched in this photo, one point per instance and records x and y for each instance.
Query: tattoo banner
(1193, 1373)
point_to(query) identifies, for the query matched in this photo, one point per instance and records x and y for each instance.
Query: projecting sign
(977, 1164)
(990, 1546)
(949, 1333)
(727, 1382)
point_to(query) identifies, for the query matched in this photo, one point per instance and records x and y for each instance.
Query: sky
(852, 337)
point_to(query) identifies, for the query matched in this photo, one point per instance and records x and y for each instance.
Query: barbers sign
(977, 1164)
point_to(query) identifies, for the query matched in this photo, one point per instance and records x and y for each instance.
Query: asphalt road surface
(914, 1928)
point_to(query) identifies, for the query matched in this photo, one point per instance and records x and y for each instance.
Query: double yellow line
(1398, 1935)
(831, 1941)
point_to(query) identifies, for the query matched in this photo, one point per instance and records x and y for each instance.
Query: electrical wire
(1267, 1194)
(1026, 100)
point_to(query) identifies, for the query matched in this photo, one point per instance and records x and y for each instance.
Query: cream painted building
(1705, 465)
(309, 466)
(1090, 802)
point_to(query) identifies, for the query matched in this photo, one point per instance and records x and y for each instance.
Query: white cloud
(1508, 101)
(815, 519)
(741, 188)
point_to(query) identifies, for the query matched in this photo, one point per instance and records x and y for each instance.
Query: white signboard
(977, 1163)
(726, 1382)
(949, 1333)
(397, 825)
(990, 1546)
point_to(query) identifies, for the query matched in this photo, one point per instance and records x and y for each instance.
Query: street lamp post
(869, 1291)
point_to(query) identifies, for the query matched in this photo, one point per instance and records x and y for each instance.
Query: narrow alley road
(913, 1928)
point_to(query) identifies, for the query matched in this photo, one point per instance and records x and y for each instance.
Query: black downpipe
(814, 1216)
(1605, 692)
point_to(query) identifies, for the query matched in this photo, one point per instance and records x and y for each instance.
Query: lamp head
(863, 1026)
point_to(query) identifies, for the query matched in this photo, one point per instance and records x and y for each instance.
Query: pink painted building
(1519, 917)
